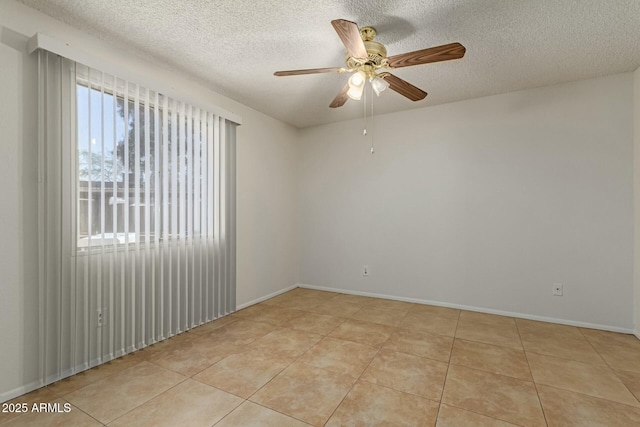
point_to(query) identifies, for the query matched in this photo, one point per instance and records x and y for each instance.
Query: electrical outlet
(365, 270)
(102, 317)
(557, 289)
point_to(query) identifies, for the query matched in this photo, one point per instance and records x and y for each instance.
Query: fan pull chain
(364, 115)
(372, 122)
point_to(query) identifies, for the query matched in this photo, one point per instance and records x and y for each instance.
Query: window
(136, 215)
(143, 166)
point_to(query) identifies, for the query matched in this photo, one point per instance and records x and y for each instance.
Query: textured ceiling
(234, 46)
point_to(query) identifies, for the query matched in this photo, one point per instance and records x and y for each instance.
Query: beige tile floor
(318, 358)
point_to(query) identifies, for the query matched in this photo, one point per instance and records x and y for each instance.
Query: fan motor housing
(376, 52)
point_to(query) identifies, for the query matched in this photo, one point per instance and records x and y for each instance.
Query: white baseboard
(19, 391)
(266, 297)
(478, 309)
(54, 378)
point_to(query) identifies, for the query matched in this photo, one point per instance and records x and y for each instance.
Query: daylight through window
(143, 166)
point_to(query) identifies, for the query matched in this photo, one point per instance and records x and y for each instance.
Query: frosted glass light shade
(356, 85)
(355, 93)
(379, 85)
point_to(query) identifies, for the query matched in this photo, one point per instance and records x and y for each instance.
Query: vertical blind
(136, 216)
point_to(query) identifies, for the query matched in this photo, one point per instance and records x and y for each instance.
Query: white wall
(18, 220)
(483, 203)
(636, 196)
(266, 208)
(267, 232)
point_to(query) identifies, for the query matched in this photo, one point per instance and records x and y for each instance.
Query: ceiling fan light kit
(365, 57)
(356, 85)
(379, 85)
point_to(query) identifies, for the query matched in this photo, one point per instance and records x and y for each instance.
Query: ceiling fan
(366, 56)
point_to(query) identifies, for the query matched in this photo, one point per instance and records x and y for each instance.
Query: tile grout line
(360, 376)
(300, 357)
(493, 373)
(546, 385)
(274, 410)
(87, 414)
(147, 401)
(594, 348)
(613, 370)
(484, 415)
(228, 355)
(369, 364)
(524, 352)
(91, 381)
(448, 365)
(224, 391)
(120, 371)
(244, 351)
(535, 385)
(592, 397)
(247, 399)
(350, 317)
(352, 385)
(278, 374)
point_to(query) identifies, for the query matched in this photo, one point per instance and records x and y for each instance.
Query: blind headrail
(51, 44)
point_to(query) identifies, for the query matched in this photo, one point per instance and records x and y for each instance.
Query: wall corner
(636, 201)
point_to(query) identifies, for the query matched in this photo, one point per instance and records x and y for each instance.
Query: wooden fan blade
(425, 56)
(350, 35)
(341, 98)
(404, 88)
(309, 71)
